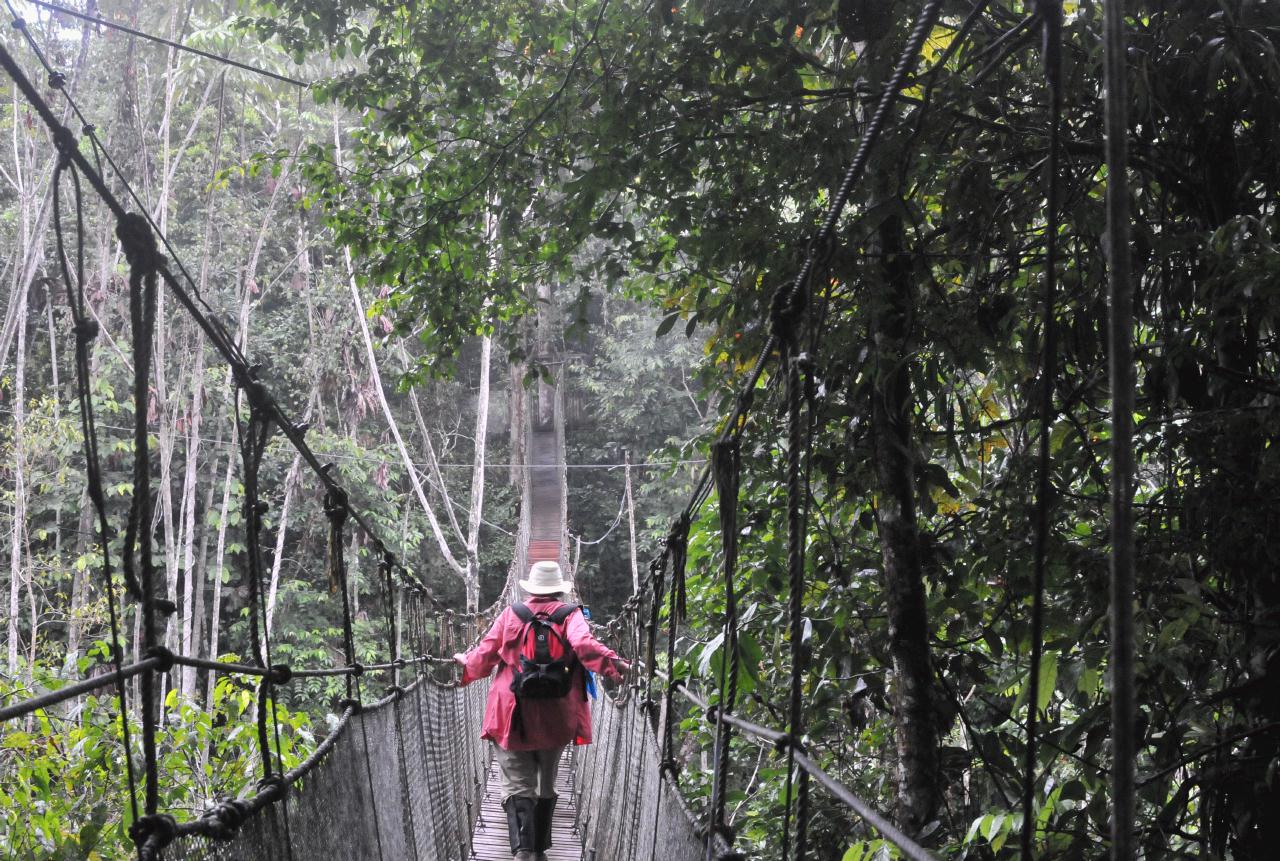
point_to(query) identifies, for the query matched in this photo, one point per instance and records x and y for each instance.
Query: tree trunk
(631, 523)
(215, 612)
(891, 411)
(475, 507)
(191, 481)
(79, 580)
(517, 409)
(19, 486)
(376, 377)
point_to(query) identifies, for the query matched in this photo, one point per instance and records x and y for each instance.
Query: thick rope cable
(141, 254)
(1050, 12)
(677, 546)
(1124, 749)
(252, 445)
(797, 497)
(85, 331)
(727, 461)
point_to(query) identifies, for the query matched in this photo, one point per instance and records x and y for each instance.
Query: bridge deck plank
(490, 836)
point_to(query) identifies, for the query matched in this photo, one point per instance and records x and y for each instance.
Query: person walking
(537, 705)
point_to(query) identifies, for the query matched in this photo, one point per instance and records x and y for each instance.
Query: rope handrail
(280, 673)
(88, 686)
(783, 742)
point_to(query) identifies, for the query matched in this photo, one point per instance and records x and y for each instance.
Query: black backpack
(547, 660)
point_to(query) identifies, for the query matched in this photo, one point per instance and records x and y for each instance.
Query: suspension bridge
(402, 774)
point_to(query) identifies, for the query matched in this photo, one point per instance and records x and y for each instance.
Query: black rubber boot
(522, 825)
(543, 811)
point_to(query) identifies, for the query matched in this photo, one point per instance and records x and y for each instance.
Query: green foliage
(64, 770)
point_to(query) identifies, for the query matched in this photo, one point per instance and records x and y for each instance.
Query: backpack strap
(523, 612)
(563, 612)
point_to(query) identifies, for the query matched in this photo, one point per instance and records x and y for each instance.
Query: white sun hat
(545, 578)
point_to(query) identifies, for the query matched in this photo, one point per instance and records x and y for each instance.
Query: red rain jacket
(547, 723)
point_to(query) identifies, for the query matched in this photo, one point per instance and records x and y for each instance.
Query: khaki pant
(528, 773)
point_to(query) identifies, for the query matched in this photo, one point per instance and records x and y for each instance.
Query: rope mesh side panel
(625, 757)
(330, 812)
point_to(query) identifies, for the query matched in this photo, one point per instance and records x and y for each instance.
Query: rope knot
(274, 787)
(138, 241)
(66, 144)
(256, 393)
(335, 505)
(85, 330)
(281, 674)
(163, 656)
(164, 605)
(788, 742)
(57, 80)
(669, 768)
(396, 691)
(152, 833)
(357, 668)
(788, 306)
(352, 705)
(725, 831)
(224, 819)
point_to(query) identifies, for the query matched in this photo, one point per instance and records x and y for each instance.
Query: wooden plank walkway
(490, 841)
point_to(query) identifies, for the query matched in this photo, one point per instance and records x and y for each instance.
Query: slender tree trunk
(475, 507)
(916, 736)
(436, 530)
(282, 529)
(79, 584)
(202, 557)
(631, 523)
(517, 424)
(19, 487)
(191, 482)
(219, 567)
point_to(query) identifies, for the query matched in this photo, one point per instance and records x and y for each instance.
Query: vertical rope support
(406, 805)
(85, 331)
(253, 440)
(726, 465)
(657, 570)
(140, 250)
(1050, 12)
(1124, 741)
(336, 510)
(253, 445)
(796, 499)
(678, 547)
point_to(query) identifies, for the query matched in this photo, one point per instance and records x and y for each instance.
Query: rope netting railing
(399, 778)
